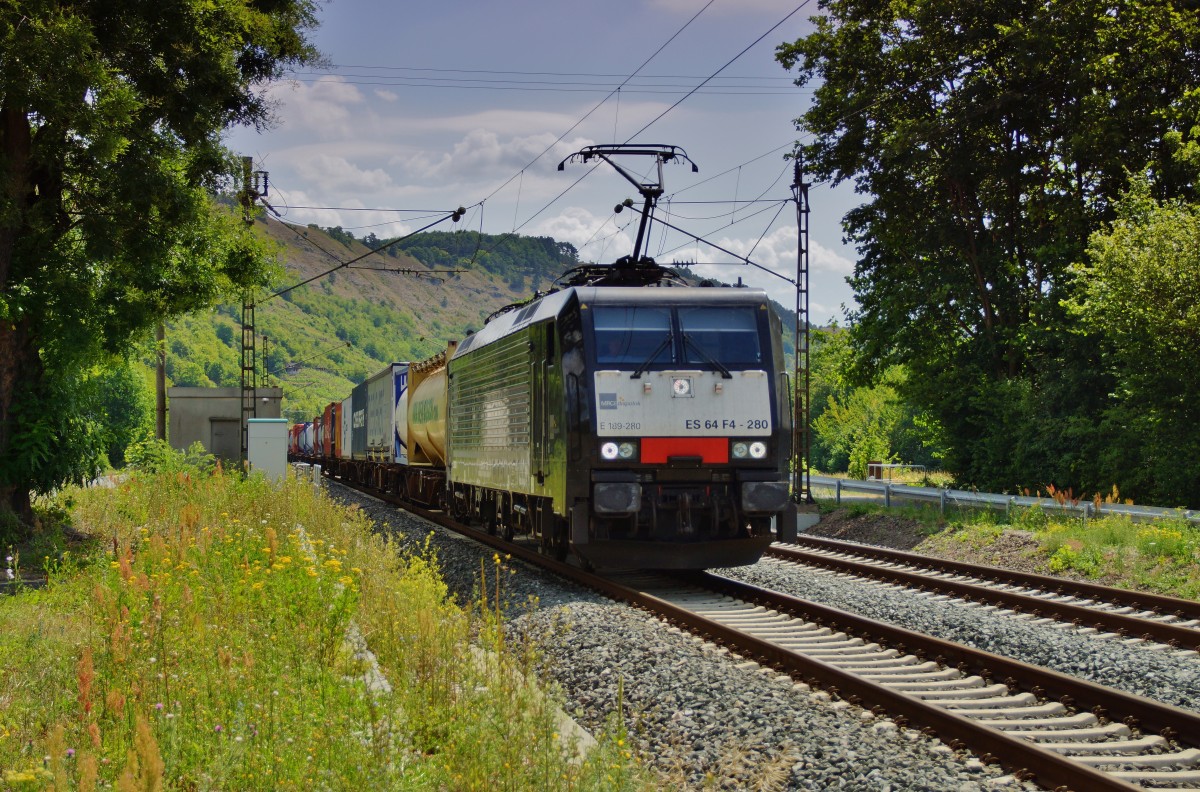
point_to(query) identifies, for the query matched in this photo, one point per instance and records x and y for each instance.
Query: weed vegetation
(1162, 557)
(213, 632)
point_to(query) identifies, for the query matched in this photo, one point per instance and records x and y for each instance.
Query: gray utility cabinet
(266, 446)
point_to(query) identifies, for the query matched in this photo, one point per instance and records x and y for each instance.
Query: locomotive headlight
(627, 450)
(740, 450)
(609, 450)
(758, 449)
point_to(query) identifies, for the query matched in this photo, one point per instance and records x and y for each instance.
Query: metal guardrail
(952, 497)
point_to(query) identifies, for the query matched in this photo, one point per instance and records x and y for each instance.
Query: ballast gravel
(702, 718)
(1135, 666)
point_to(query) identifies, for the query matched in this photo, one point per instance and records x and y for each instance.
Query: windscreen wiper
(666, 342)
(687, 341)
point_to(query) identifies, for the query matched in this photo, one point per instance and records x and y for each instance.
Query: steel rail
(1160, 603)
(1025, 758)
(1080, 615)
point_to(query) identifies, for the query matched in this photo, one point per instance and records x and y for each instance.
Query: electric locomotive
(631, 426)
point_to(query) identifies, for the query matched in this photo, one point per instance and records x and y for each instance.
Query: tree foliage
(111, 116)
(855, 423)
(989, 139)
(1138, 293)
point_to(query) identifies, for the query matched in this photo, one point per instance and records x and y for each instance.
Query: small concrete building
(213, 416)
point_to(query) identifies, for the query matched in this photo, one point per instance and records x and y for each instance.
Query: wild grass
(1162, 557)
(202, 644)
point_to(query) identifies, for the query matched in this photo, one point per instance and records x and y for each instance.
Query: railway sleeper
(831, 652)
(1151, 742)
(895, 677)
(1184, 758)
(757, 619)
(786, 626)
(1031, 718)
(819, 642)
(932, 684)
(868, 667)
(986, 706)
(981, 693)
(1107, 732)
(1180, 778)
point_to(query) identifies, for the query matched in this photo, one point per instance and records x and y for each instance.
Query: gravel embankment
(700, 717)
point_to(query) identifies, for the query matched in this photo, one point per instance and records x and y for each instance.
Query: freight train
(626, 418)
(630, 426)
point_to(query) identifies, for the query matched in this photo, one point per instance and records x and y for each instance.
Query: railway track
(1063, 733)
(1108, 611)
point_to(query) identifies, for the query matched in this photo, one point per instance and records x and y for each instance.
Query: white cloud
(387, 96)
(323, 107)
(598, 239)
(483, 153)
(778, 250)
(339, 174)
(776, 254)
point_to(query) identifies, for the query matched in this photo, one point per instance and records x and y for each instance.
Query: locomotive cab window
(727, 335)
(630, 336)
(720, 337)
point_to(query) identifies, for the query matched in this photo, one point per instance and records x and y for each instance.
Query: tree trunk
(18, 363)
(160, 382)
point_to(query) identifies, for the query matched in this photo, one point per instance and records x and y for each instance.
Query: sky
(424, 107)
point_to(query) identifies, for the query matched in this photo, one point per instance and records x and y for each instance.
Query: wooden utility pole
(160, 382)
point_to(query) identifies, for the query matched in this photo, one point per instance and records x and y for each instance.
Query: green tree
(125, 402)
(867, 423)
(992, 138)
(1138, 293)
(829, 368)
(111, 116)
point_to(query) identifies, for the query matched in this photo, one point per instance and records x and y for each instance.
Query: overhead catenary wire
(456, 215)
(322, 353)
(549, 73)
(597, 106)
(616, 91)
(295, 230)
(741, 259)
(693, 238)
(627, 82)
(732, 91)
(728, 63)
(715, 76)
(712, 76)
(559, 139)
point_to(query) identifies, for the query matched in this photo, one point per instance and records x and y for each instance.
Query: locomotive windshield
(727, 335)
(706, 336)
(632, 335)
